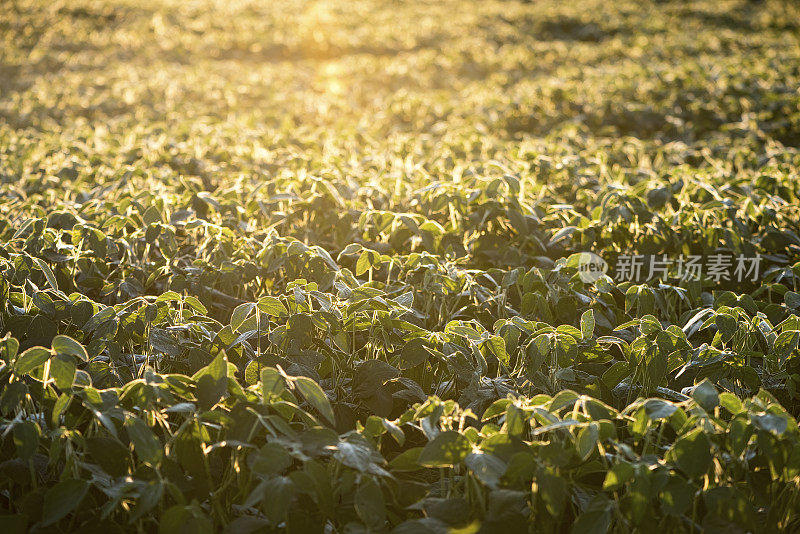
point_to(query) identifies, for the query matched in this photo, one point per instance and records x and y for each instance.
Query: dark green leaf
(369, 504)
(315, 396)
(30, 360)
(26, 439)
(706, 395)
(68, 346)
(145, 444)
(445, 450)
(62, 499)
(62, 369)
(692, 453)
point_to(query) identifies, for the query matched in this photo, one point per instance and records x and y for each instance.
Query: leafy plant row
(208, 451)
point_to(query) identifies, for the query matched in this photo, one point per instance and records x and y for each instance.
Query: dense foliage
(311, 266)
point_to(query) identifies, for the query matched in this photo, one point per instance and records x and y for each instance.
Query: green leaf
(315, 396)
(567, 330)
(596, 519)
(188, 448)
(272, 383)
(727, 326)
(659, 409)
(498, 407)
(369, 504)
(150, 497)
(62, 499)
(640, 422)
(109, 454)
(164, 341)
(615, 374)
(566, 423)
(169, 296)
(649, 324)
(731, 402)
(300, 328)
(728, 510)
(739, 432)
(407, 460)
(620, 474)
(445, 450)
(272, 306)
(240, 313)
(371, 375)
(106, 314)
(62, 369)
(496, 346)
(68, 346)
(413, 353)
(185, 520)
(147, 447)
(357, 453)
(537, 351)
(212, 382)
(48, 273)
(768, 422)
(8, 348)
(676, 496)
(562, 235)
(792, 299)
(587, 324)
(26, 439)
(786, 344)
(566, 349)
(553, 490)
(251, 374)
(278, 494)
(30, 360)
(270, 459)
(692, 453)
(367, 260)
(195, 304)
(210, 391)
(515, 420)
(586, 441)
(705, 394)
(486, 467)
(151, 215)
(563, 399)
(60, 406)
